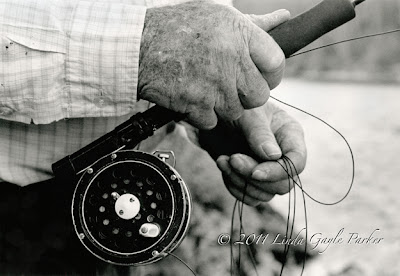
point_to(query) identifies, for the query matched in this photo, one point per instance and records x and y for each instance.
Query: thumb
(270, 20)
(255, 125)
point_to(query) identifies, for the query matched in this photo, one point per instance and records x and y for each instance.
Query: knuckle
(204, 122)
(260, 95)
(206, 102)
(210, 124)
(233, 113)
(202, 118)
(277, 61)
(253, 89)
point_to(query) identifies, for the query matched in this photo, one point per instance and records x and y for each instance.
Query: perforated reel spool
(131, 208)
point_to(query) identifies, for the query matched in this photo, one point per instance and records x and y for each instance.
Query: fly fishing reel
(128, 207)
(131, 208)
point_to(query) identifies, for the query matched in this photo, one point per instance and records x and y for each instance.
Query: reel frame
(86, 224)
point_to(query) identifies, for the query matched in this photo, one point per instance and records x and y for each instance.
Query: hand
(248, 151)
(207, 61)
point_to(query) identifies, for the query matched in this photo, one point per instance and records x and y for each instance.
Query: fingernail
(280, 11)
(237, 162)
(260, 175)
(271, 150)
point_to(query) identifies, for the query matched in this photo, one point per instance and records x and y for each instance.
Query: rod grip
(303, 29)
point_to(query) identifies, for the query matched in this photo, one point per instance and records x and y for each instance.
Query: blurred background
(373, 59)
(355, 87)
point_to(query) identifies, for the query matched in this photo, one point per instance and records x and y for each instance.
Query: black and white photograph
(199, 137)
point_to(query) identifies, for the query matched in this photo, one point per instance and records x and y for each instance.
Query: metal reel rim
(178, 235)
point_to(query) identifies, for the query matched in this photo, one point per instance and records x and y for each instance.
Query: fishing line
(231, 242)
(291, 170)
(305, 212)
(241, 227)
(350, 151)
(250, 254)
(290, 167)
(289, 233)
(346, 40)
(285, 252)
(241, 209)
(289, 226)
(182, 261)
(240, 213)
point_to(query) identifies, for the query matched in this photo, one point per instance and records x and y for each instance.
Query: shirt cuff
(102, 61)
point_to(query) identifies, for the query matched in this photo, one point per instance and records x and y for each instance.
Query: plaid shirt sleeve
(65, 59)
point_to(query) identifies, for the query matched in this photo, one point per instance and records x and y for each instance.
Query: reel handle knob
(149, 230)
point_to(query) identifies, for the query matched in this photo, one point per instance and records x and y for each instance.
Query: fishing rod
(133, 208)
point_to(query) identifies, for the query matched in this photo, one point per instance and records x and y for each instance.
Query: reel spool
(131, 208)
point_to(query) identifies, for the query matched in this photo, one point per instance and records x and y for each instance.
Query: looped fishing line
(292, 173)
(348, 146)
(290, 168)
(242, 230)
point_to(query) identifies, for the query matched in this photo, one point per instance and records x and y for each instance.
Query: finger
(255, 125)
(239, 196)
(252, 87)
(269, 21)
(274, 171)
(290, 137)
(247, 198)
(267, 56)
(222, 163)
(235, 182)
(243, 165)
(279, 187)
(228, 105)
(202, 118)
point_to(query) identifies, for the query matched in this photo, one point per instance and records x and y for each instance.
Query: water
(368, 116)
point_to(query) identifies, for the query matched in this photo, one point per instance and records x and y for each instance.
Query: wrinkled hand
(248, 150)
(208, 61)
